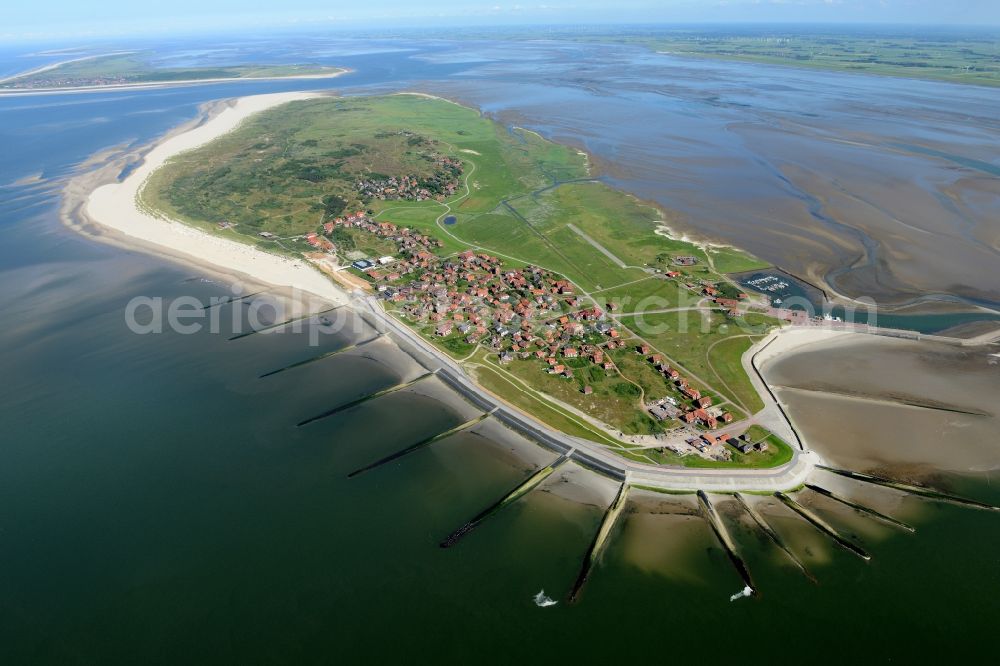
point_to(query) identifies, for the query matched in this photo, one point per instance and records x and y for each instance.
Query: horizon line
(367, 28)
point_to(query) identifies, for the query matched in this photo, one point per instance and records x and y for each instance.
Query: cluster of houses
(730, 305)
(416, 249)
(696, 412)
(62, 81)
(519, 313)
(442, 184)
(552, 349)
(320, 243)
(710, 441)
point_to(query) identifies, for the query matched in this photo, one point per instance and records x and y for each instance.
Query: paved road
(587, 453)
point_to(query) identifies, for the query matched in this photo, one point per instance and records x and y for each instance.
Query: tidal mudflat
(865, 186)
(911, 409)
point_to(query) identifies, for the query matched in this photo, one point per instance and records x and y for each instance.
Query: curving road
(587, 453)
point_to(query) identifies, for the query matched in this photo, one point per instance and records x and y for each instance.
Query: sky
(42, 19)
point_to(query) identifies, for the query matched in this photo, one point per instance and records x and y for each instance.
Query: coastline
(18, 92)
(54, 65)
(110, 205)
(98, 203)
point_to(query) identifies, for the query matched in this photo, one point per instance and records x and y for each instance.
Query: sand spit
(429, 96)
(114, 207)
(50, 67)
(20, 92)
(25, 181)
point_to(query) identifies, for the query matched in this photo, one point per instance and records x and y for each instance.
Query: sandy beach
(115, 206)
(793, 338)
(15, 92)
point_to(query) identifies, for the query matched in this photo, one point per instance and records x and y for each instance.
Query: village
(471, 300)
(438, 186)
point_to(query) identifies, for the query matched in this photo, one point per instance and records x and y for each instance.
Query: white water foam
(543, 601)
(746, 592)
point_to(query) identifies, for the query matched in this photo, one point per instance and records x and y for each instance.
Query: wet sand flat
(908, 407)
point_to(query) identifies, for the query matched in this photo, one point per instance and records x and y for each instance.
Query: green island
(136, 68)
(967, 55)
(560, 295)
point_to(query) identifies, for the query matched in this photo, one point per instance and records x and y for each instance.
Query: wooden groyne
(859, 507)
(519, 491)
(822, 526)
(773, 536)
(922, 491)
(420, 445)
(722, 534)
(599, 542)
(321, 357)
(363, 399)
(282, 324)
(233, 299)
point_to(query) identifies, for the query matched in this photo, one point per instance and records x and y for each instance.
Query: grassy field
(574, 217)
(725, 358)
(512, 390)
(731, 260)
(968, 55)
(356, 240)
(519, 394)
(288, 170)
(654, 385)
(974, 60)
(648, 293)
(614, 401)
(135, 67)
(687, 336)
(778, 451)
